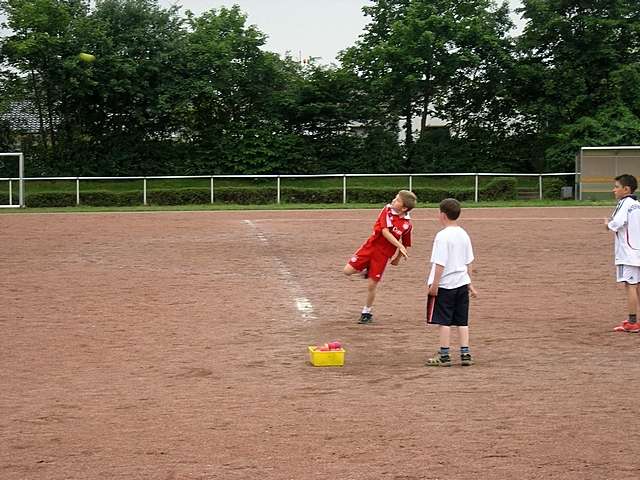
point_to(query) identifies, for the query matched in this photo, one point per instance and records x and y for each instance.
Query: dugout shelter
(598, 166)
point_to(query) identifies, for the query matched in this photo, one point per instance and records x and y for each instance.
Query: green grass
(296, 206)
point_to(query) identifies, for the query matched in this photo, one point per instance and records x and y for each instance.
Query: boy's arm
(614, 224)
(394, 241)
(472, 291)
(395, 260)
(611, 225)
(617, 221)
(433, 288)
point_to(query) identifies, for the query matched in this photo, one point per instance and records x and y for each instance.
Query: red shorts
(372, 259)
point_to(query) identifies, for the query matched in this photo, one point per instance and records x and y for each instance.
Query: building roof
(22, 117)
(623, 147)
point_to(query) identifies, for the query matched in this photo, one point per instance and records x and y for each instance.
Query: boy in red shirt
(391, 235)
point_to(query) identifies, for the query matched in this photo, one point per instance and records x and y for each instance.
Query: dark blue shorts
(452, 307)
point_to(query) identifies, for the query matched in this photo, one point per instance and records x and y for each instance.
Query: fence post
(211, 186)
(278, 190)
(21, 182)
(540, 187)
(344, 189)
(10, 192)
(77, 191)
(410, 183)
(144, 191)
(476, 190)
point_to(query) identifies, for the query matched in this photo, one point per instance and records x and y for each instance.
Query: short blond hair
(408, 198)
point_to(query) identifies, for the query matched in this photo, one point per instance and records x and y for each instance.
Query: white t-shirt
(619, 223)
(451, 249)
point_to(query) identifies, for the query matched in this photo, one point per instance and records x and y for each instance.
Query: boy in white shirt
(624, 222)
(450, 282)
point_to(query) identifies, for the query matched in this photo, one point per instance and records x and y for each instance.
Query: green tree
(436, 58)
(38, 49)
(328, 115)
(574, 81)
(101, 117)
(230, 91)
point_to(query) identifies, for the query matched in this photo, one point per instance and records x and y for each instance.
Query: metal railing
(20, 181)
(278, 178)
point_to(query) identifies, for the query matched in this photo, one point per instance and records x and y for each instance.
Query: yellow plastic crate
(331, 358)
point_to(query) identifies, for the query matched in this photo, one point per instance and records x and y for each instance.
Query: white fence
(278, 179)
(20, 181)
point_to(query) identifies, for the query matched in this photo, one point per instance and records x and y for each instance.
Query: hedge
(552, 187)
(502, 188)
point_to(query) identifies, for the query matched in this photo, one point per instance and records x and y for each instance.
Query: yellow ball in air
(86, 57)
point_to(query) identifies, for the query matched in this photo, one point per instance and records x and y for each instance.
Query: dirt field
(173, 346)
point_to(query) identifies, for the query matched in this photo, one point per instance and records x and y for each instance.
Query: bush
(101, 198)
(186, 196)
(500, 188)
(552, 187)
(245, 196)
(497, 189)
(50, 199)
(312, 195)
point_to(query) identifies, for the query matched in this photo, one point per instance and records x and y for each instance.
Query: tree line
(187, 94)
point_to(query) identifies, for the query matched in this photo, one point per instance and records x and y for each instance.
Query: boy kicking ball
(450, 283)
(391, 235)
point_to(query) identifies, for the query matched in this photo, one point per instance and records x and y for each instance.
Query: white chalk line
(465, 219)
(301, 302)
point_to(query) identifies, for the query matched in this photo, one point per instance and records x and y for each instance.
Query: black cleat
(366, 318)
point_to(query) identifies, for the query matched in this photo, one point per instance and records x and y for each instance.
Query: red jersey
(400, 227)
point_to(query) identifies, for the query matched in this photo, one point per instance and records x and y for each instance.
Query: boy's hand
(433, 290)
(396, 259)
(403, 251)
(472, 291)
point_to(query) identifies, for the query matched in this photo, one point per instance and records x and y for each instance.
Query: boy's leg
(443, 316)
(358, 263)
(367, 316)
(349, 270)
(629, 275)
(372, 285)
(376, 267)
(632, 301)
(463, 333)
(631, 324)
(445, 337)
(442, 358)
(465, 353)
(461, 319)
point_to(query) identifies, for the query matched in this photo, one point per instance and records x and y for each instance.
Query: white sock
(366, 309)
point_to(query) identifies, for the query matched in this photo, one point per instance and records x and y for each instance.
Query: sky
(304, 28)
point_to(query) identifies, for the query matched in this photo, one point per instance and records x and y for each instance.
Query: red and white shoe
(627, 327)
